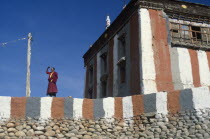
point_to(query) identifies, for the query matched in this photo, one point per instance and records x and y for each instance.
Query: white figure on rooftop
(108, 22)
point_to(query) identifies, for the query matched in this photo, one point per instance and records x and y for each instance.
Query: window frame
(195, 38)
(104, 59)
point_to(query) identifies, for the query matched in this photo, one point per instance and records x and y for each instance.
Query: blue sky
(62, 32)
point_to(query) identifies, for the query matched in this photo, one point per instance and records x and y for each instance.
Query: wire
(13, 41)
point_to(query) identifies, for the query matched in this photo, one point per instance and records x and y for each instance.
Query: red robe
(52, 88)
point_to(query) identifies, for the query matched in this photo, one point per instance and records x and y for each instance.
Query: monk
(53, 77)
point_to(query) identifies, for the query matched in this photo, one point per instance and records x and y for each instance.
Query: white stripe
(127, 107)
(181, 68)
(147, 67)
(203, 68)
(77, 108)
(175, 68)
(115, 67)
(108, 104)
(201, 97)
(46, 104)
(5, 110)
(185, 68)
(161, 103)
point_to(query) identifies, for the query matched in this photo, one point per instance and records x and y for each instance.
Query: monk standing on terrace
(53, 77)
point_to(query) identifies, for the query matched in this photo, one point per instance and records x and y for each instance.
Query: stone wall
(184, 125)
(178, 114)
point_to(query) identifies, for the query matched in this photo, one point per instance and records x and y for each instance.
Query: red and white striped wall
(152, 64)
(120, 107)
(165, 68)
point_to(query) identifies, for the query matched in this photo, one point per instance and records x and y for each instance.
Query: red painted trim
(173, 102)
(118, 108)
(57, 108)
(195, 67)
(87, 109)
(138, 105)
(18, 107)
(161, 52)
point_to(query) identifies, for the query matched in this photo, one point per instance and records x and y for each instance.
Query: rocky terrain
(184, 125)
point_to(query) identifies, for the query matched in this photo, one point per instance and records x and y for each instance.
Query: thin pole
(28, 89)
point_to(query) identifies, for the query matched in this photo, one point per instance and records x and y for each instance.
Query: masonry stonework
(176, 114)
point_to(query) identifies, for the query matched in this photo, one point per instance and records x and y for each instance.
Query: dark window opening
(122, 74)
(122, 45)
(104, 85)
(175, 31)
(90, 93)
(196, 32)
(91, 75)
(122, 70)
(104, 62)
(123, 49)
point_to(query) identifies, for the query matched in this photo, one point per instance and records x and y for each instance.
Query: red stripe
(161, 52)
(195, 67)
(18, 107)
(57, 109)
(87, 109)
(118, 108)
(138, 105)
(173, 102)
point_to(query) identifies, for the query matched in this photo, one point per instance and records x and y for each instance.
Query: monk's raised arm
(47, 70)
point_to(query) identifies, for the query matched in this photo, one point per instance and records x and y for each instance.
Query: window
(104, 75)
(104, 63)
(90, 90)
(122, 56)
(190, 35)
(205, 35)
(122, 44)
(91, 75)
(196, 33)
(122, 74)
(122, 69)
(104, 86)
(90, 93)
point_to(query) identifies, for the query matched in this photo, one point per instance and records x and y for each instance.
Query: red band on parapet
(87, 109)
(57, 110)
(173, 102)
(18, 107)
(138, 105)
(118, 108)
